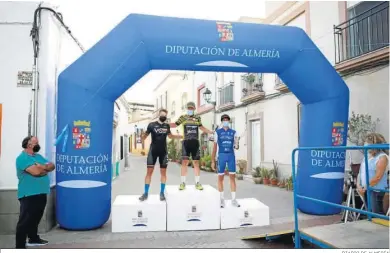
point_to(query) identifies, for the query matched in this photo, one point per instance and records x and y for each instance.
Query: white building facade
(263, 111)
(57, 50)
(141, 115)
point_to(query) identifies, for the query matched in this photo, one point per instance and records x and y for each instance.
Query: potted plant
(207, 162)
(359, 125)
(274, 174)
(202, 163)
(249, 78)
(282, 183)
(242, 165)
(289, 184)
(171, 150)
(265, 175)
(257, 176)
(272, 179)
(239, 174)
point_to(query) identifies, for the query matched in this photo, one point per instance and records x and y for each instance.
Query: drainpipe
(215, 100)
(34, 102)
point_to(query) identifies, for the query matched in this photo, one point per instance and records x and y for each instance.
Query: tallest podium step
(192, 209)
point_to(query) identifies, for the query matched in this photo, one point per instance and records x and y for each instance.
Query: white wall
(352, 3)
(175, 84)
(269, 79)
(211, 80)
(323, 15)
(271, 6)
(369, 94)
(280, 126)
(287, 12)
(176, 90)
(369, 91)
(16, 54)
(58, 52)
(122, 128)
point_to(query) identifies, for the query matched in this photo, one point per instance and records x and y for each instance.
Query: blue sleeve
(22, 163)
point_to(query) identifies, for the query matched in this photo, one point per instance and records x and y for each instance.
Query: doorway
(256, 146)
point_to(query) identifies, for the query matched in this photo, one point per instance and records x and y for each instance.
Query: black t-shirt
(159, 134)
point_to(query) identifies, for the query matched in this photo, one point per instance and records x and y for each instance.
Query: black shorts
(191, 149)
(153, 155)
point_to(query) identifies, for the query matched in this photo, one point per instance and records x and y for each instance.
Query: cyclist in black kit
(191, 148)
(158, 150)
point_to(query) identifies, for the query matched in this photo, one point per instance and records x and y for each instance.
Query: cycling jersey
(225, 140)
(159, 132)
(190, 125)
(226, 157)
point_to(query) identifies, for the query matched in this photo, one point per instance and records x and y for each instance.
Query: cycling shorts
(226, 159)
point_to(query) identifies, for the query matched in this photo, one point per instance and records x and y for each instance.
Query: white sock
(197, 178)
(221, 193)
(233, 195)
(183, 179)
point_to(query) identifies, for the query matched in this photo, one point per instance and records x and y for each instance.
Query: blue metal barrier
(369, 188)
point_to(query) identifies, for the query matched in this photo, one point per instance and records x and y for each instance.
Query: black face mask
(163, 118)
(36, 148)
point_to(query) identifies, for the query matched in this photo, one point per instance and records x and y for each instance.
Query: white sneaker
(235, 203)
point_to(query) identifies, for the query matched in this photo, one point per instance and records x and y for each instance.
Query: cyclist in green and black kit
(191, 148)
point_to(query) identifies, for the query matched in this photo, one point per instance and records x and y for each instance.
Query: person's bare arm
(37, 170)
(178, 122)
(379, 170)
(236, 139)
(213, 154)
(358, 185)
(144, 136)
(175, 136)
(146, 133)
(49, 167)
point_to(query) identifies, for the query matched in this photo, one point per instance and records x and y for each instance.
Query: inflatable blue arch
(88, 88)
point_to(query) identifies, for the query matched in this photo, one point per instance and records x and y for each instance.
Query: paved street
(131, 182)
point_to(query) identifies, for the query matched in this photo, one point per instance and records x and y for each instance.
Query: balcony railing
(364, 33)
(226, 96)
(252, 88)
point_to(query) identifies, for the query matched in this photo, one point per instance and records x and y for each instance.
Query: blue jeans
(376, 199)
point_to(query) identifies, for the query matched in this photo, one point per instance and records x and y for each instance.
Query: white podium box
(192, 209)
(251, 213)
(129, 214)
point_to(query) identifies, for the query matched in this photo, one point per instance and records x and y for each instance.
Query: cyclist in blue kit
(225, 141)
